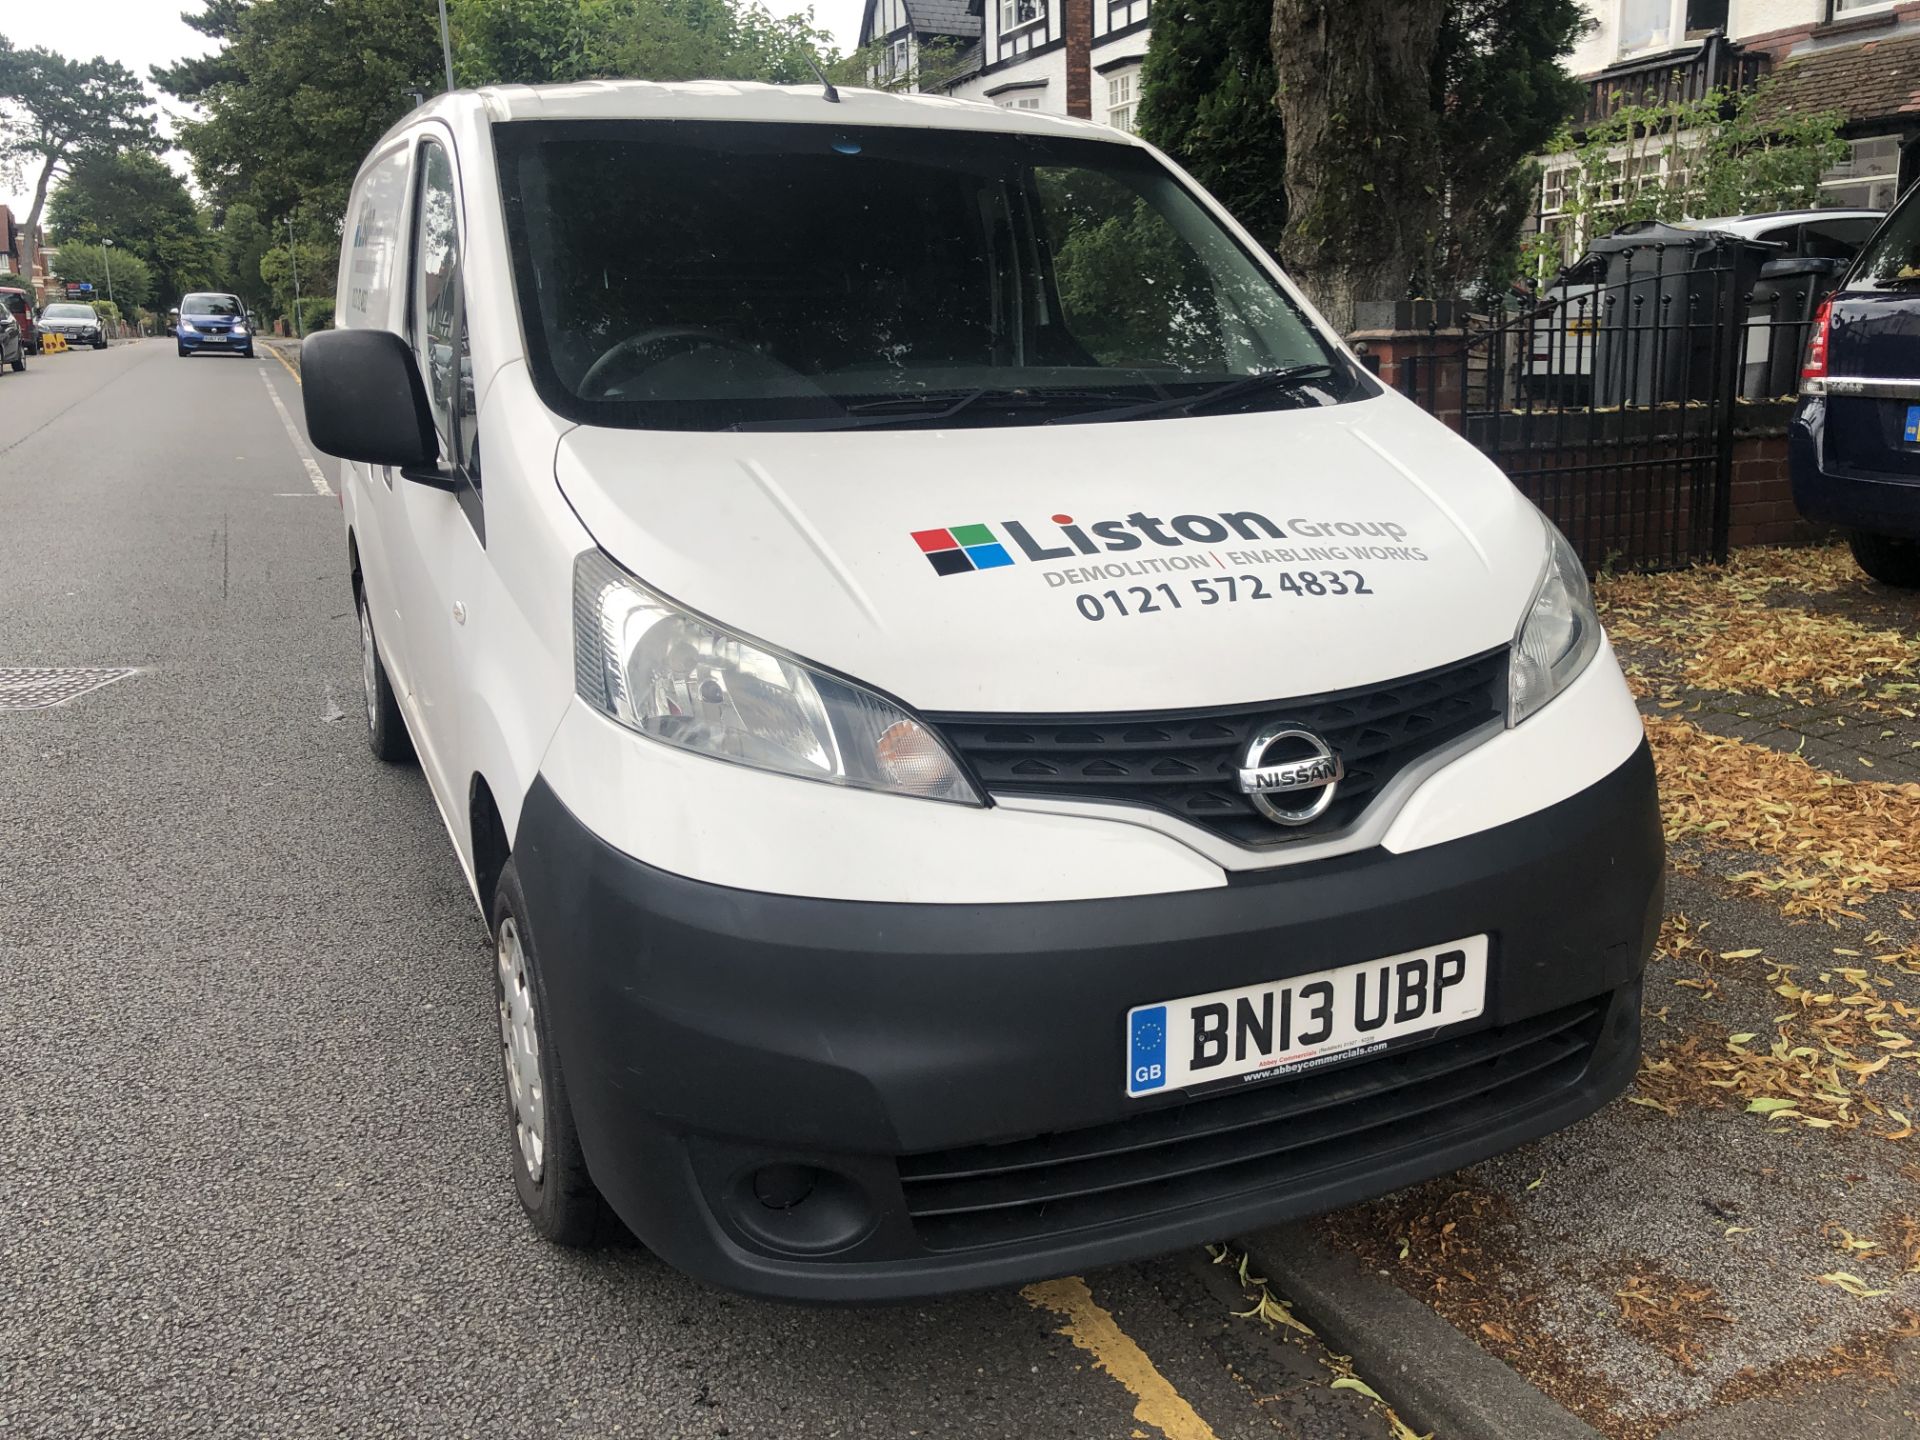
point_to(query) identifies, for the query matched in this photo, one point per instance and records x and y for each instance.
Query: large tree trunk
(28, 246)
(1363, 160)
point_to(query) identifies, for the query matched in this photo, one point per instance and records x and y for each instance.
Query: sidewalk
(1734, 1249)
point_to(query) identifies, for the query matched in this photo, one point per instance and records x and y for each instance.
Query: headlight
(1558, 635)
(239, 329)
(682, 680)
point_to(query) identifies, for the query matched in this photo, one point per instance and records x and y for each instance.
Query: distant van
(987, 743)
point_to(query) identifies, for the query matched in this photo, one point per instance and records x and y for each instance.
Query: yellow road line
(274, 351)
(1095, 1331)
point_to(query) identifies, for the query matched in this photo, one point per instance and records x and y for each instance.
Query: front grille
(1184, 761)
(1275, 1136)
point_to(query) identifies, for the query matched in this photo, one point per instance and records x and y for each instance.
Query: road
(254, 1176)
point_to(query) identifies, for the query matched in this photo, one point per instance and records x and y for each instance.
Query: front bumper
(951, 1075)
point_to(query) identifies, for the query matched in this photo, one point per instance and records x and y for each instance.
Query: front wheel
(181, 351)
(20, 360)
(549, 1171)
(1887, 558)
(247, 354)
(386, 729)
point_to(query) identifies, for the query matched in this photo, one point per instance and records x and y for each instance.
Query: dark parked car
(13, 345)
(20, 305)
(1855, 441)
(81, 324)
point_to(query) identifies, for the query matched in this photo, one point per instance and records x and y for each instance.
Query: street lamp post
(294, 259)
(106, 250)
(446, 45)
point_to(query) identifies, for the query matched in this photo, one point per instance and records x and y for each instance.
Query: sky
(144, 33)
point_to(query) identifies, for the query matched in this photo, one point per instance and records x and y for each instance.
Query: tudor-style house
(1067, 57)
(1860, 58)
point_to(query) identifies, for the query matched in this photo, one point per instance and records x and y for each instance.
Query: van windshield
(715, 275)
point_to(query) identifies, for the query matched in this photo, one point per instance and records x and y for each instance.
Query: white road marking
(320, 486)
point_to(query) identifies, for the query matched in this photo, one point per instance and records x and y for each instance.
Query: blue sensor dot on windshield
(847, 147)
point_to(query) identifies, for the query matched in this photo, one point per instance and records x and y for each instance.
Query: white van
(988, 744)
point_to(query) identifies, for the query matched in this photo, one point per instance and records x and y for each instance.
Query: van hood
(1126, 566)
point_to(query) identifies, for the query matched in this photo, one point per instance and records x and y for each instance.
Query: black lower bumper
(836, 1100)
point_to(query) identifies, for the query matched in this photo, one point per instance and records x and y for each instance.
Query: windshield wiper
(929, 410)
(1287, 377)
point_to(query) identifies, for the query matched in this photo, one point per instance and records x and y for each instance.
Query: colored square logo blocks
(961, 549)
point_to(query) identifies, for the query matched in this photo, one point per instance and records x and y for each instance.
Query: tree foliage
(127, 278)
(535, 41)
(1500, 95)
(313, 262)
(54, 110)
(136, 200)
(1207, 99)
(936, 65)
(241, 240)
(1422, 114)
(1721, 154)
(295, 97)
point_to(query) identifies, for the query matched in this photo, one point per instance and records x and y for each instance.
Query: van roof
(750, 101)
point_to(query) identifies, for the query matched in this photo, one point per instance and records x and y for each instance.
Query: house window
(1121, 96)
(899, 58)
(1841, 9)
(1015, 13)
(1648, 25)
(1018, 102)
(1868, 179)
(1555, 185)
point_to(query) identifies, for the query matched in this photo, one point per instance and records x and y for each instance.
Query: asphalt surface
(255, 1169)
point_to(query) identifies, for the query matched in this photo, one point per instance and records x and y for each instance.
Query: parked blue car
(1854, 446)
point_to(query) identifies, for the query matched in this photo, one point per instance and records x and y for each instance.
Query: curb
(1435, 1378)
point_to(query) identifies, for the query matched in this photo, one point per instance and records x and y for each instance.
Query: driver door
(443, 546)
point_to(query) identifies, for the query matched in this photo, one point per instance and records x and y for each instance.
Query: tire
(181, 350)
(549, 1171)
(386, 728)
(247, 354)
(1887, 558)
(20, 361)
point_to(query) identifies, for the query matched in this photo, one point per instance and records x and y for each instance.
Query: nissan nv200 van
(988, 744)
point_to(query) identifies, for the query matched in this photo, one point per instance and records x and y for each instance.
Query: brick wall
(1762, 510)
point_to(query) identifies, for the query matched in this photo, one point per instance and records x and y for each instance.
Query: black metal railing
(1613, 402)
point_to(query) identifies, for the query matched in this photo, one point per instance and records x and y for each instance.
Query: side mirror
(365, 401)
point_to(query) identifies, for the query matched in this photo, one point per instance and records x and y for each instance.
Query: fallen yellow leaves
(1852, 1285)
(1270, 1310)
(1668, 1313)
(1829, 840)
(1713, 628)
(1817, 1069)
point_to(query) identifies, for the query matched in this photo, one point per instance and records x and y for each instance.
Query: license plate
(1911, 432)
(1305, 1021)
(213, 339)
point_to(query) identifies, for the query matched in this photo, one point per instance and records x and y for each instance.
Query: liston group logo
(961, 549)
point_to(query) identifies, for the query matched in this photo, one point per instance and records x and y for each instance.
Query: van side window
(439, 312)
